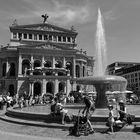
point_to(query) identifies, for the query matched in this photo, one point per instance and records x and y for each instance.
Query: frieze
(26, 56)
(48, 58)
(38, 80)
(37, 57)
(59, 58)
(69, 59)
(44, 28)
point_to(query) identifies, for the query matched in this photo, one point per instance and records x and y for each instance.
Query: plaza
(51, 88)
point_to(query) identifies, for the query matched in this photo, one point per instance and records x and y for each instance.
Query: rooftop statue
(15, 23)
(45, 17)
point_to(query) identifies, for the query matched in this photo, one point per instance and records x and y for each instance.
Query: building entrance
(49, 87)
(37, 89)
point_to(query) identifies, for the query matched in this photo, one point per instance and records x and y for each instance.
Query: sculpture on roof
(45, 17)
(14, 22)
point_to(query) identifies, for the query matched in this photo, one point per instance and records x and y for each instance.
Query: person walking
(88, 110)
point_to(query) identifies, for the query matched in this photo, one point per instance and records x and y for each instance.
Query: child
(111, 118)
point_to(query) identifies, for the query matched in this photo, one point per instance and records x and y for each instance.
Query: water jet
(100, 80)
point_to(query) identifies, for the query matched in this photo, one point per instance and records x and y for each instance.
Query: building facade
(130, 71)
(42, 58)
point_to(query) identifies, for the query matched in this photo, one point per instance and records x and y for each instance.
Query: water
(100, 48)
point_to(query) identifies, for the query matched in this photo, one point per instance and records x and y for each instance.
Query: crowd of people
(57, 107)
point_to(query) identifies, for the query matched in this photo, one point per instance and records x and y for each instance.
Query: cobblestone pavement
(30, 132)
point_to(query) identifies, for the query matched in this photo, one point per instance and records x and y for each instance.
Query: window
(45, 37)
(25, 36)
(59, 38)
(55, 38)
(40, 37)
(50, 37)
(68, 39)
(30, 36)
(14, 35)
(12, 69)
(4, 69)
(19, 35)
(64, 39)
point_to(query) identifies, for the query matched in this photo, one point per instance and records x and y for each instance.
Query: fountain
(100, 80)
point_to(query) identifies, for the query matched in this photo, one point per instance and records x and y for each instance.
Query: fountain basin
(102, 84)
(107, 79)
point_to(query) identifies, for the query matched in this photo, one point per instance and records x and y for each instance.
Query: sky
(121, 22)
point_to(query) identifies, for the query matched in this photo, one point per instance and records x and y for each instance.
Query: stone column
(20, 65)
(42, 64)
(32, 63)
(81, 69)
(56, 86)
(32, 89)
(68, 87)
(64, 62)
(31, 92)
(53, 62)
(43, 86)
(74, 65)
(7, 67)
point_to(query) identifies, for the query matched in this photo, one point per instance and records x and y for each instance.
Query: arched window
(12, 69)
(48, 64)
(58, 64)
(11, 90)
(37, 89)
(37, 64)
(25, 66)
(69, 67)
(61, 87)
(77, 88)
(49, 87)
(83, 71)
(77, 71)
(4, 69)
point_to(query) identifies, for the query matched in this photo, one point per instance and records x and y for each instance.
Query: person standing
(89, 107)
(111, 119)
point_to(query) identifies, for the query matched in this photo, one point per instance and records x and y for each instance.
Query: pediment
(44, 27)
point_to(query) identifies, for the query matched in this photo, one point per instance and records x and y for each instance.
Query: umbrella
(109, 93)
(134, 96)
(127, 91)
(116, 92)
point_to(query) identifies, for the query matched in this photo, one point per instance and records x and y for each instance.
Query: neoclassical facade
(42, 58)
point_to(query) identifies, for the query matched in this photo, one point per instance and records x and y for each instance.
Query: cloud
(63, 11)
(109, 15)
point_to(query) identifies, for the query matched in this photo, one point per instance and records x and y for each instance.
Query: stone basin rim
(106, 79)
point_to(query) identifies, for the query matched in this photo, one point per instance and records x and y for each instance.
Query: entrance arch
(37, 88)
(11, 90)
(61, 87)
(49, 87)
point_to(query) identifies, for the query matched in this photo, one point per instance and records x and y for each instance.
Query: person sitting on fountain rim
(89, 107)
(122, 112)
(57, 108)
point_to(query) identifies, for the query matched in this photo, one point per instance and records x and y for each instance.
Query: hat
(121, 102)
(110, 106)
